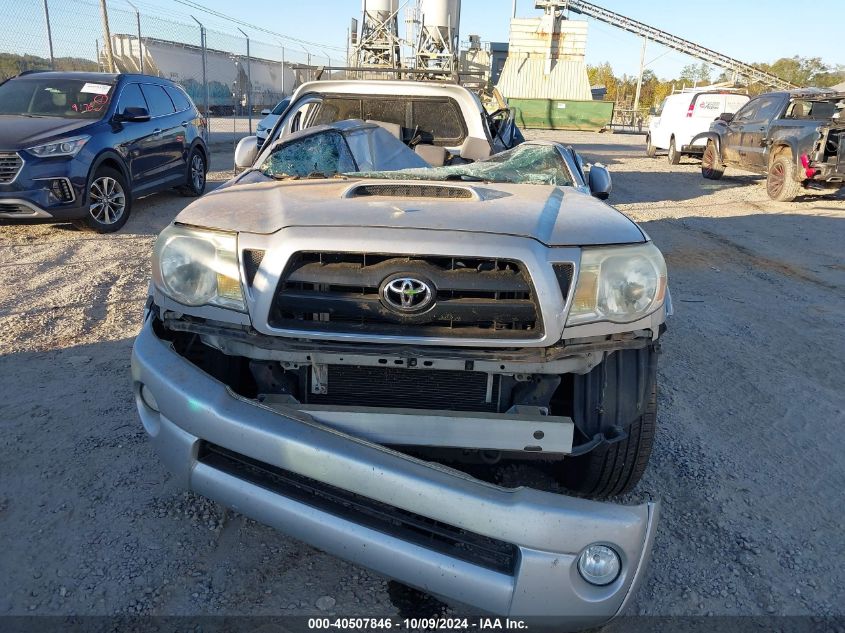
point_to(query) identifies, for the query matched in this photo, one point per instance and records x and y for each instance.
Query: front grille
(340, 293)
(410, 527)
(410, 191)
(10, 165)
(408, 388)
(15, 209)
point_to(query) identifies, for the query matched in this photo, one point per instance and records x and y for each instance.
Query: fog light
(148, 398)
(60, 188)
(599, 565)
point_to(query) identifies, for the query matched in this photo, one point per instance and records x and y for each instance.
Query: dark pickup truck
(796, 138)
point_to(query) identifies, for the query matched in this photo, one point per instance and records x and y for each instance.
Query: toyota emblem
(407, 294)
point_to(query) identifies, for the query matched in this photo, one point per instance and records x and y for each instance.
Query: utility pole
(140, 48)
(49, 36)
(640, 79)
(204, 72)
(104, 13)
(248, 84)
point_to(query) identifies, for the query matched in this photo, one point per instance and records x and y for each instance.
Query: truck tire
(614, 469)
(711, 162)
(780, 181)
(674, 154)
(650, 150)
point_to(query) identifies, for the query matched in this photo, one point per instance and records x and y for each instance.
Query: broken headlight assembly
(196, 267)
(619, 284)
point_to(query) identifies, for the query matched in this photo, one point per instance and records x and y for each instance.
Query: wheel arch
(114, 161)
(708, 136)
(787, 147)
(203, 149)
(781, 147)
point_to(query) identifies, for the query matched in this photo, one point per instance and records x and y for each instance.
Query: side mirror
(133, 114)
(600, 182)
(727, 117)
(265, 111)
(246, 152)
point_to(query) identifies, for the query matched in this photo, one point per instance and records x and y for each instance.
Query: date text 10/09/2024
(443, 624)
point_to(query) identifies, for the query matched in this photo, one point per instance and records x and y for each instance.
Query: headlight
(196, 267)
(619, 284)
(64, 147)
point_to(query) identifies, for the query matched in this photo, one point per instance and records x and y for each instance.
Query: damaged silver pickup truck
(345, 352)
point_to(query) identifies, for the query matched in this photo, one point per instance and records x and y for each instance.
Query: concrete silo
(437, 46)
(379, 43)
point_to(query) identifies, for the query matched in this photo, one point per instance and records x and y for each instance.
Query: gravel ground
(748, 460)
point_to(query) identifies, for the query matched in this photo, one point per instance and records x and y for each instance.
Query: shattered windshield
(524, 164)
(324, 154)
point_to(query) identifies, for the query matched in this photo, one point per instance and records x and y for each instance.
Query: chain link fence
(226, 72)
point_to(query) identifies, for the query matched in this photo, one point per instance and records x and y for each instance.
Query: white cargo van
(683, 115)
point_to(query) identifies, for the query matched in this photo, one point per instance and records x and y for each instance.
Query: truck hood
(555, 216)
(22, 132)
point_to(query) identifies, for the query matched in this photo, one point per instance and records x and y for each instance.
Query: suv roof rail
(33, 71)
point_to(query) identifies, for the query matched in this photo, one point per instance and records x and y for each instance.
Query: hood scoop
(411, 190)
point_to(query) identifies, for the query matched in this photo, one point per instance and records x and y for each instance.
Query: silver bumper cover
(548, 530)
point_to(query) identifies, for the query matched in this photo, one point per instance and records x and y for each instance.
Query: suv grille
(342, 293)
(17, 209)
(10, 165)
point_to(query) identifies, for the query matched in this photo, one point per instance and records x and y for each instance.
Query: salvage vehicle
(270, 117)
(79, 146)
(685, 114)
(795, 138)
(348, 352)
(433, 117)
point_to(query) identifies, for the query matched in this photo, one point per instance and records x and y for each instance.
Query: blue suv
(79, 147)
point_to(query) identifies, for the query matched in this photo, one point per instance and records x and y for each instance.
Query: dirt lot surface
(749, 461)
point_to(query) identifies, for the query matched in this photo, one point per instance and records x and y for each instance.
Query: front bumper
(547, 530)
(28, 196)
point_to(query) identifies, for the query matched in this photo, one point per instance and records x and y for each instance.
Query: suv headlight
(618, 284)
(62, 147)
(197, 267)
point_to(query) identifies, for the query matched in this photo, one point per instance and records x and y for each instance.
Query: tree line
(12, 64)
(801, 71)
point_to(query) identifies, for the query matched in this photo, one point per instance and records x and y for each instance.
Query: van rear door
(733, 102)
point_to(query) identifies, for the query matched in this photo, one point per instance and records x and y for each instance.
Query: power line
(218, 14)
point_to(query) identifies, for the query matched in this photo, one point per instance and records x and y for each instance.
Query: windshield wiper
(465, 178)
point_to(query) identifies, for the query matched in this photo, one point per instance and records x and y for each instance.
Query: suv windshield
(54, 97)
(524, 164)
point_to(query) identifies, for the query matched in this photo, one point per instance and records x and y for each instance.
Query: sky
(777, 28)
(748, 30)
